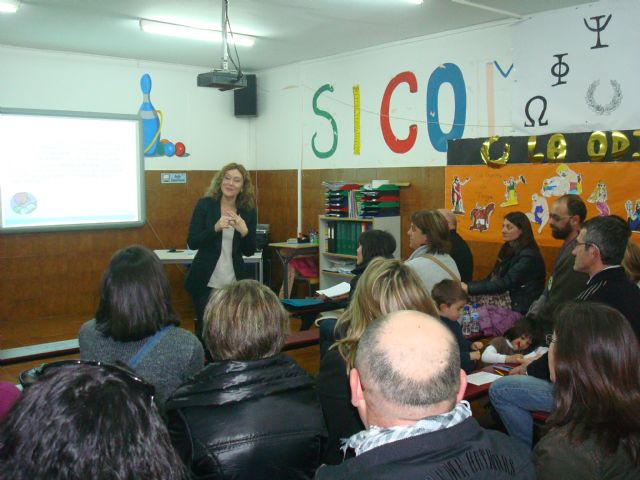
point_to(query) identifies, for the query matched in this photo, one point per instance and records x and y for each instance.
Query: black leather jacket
(253, 420)
(522, 275)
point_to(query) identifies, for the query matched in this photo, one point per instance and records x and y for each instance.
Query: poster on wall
(574, 70)
(487, 178)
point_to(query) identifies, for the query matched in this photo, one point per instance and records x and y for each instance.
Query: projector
(222, 80)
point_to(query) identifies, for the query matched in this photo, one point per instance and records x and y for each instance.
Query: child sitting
(514, 347)
(451, 299)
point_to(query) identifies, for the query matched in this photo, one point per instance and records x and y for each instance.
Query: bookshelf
(338, 241)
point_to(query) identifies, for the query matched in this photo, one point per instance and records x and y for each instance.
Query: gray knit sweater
(176, 357)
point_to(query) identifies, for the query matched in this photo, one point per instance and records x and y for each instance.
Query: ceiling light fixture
(209, 35)
(416, 2)
(8, 6)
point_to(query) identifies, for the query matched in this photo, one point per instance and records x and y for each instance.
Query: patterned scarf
(375, 436)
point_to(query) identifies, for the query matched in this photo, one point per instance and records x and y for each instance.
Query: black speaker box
(244, 100)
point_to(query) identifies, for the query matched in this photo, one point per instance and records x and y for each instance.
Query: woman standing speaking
(222, 229)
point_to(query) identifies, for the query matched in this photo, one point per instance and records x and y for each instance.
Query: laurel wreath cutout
(608, 108)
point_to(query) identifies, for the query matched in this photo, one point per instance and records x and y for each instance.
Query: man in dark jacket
(460, 251)
(407, 386)
(599, 252)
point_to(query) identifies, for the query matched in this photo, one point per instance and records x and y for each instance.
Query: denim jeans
(515, 397)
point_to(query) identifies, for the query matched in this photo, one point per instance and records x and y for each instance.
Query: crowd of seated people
(387, 403)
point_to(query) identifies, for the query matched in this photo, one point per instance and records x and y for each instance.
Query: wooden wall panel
(278, 207)
(49, 282)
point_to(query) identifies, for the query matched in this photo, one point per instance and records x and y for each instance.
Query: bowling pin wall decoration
(151, 123)
(152, 126)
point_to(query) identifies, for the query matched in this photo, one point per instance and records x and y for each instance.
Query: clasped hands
(230, 219)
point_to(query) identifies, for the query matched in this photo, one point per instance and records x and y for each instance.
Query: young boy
(451, 299)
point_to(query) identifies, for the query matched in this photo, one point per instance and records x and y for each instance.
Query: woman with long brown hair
(386, 286)
(594, 361)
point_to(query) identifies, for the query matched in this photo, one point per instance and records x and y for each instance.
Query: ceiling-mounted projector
(222, 80)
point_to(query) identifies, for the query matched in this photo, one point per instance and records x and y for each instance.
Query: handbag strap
(148, 345)
(441, 265)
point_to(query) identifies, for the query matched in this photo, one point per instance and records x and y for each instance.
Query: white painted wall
(201, 118)
(281, 131)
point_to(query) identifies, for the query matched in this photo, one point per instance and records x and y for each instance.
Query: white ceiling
(288, 30)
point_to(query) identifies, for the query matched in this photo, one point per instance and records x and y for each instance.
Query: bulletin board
(487, 178)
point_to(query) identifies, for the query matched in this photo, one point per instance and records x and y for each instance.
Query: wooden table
(288, 251)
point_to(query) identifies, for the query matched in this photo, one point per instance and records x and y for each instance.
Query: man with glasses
(568, 213)
(599, 251)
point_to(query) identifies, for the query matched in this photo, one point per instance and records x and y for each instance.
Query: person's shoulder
(88, 328)
(182, 338)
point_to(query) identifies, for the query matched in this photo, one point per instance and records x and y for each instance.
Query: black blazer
(208, 242)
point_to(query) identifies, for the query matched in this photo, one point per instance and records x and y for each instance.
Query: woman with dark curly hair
(594, 361)
(82, 421)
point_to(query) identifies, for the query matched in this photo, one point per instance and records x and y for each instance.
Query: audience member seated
(599, 252)
(252, 413)
(429, 239)
(566, 217)
(595, 365)
(371, 244)
(387, 285)
(451, 300)
(519, 269)
(135, 324)
(82, 421)
(9, 393)
(517, 344)
(460, 251)
(631, 262)
(408, 388)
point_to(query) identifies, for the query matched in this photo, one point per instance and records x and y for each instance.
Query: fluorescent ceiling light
(8, 6)
(174, 30)
(416, 2)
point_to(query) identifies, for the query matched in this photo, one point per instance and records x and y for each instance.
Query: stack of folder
(341, 199)
(342, 236)
(382, 201)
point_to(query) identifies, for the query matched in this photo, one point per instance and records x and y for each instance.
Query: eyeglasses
(549, 338)
(31, 376)
(586, 244)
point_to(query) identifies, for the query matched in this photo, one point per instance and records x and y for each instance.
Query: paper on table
(480, 378)
(336, 290)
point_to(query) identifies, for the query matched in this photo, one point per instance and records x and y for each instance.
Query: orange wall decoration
(482, 195)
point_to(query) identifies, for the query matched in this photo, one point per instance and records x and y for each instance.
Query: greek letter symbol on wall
(447, 73)
(325, 88)
(532, 122)
(598, 28)
(502, 72)
(560, 69)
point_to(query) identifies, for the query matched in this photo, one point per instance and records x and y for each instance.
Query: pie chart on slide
(23, 203)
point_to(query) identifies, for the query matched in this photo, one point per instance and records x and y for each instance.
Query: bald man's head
(452, 221)
(409, 359)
